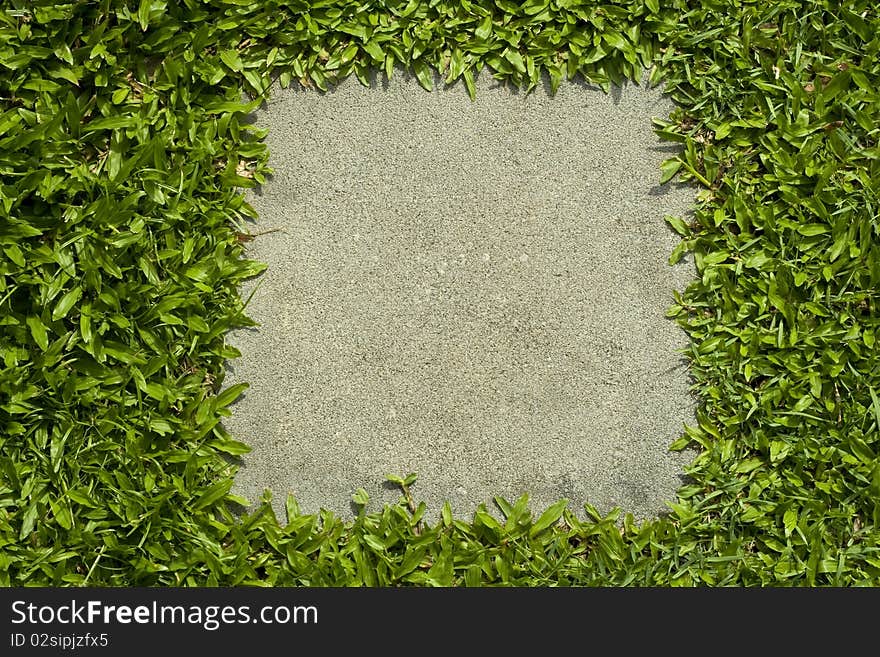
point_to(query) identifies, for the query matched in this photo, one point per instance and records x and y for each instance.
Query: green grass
(123, 148)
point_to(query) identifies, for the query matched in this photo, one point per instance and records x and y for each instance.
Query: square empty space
(472, 291)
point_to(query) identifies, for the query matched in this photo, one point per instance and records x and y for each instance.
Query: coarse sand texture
(472, 291)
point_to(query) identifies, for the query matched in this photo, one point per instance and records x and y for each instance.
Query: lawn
(124, 147)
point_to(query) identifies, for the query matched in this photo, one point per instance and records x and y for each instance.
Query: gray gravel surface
(473, 291)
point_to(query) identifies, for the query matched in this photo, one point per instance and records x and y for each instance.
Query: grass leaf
(66, 303)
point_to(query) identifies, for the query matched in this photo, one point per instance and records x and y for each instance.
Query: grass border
(123, 145)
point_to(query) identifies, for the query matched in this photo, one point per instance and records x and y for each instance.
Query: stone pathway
(473, 291)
